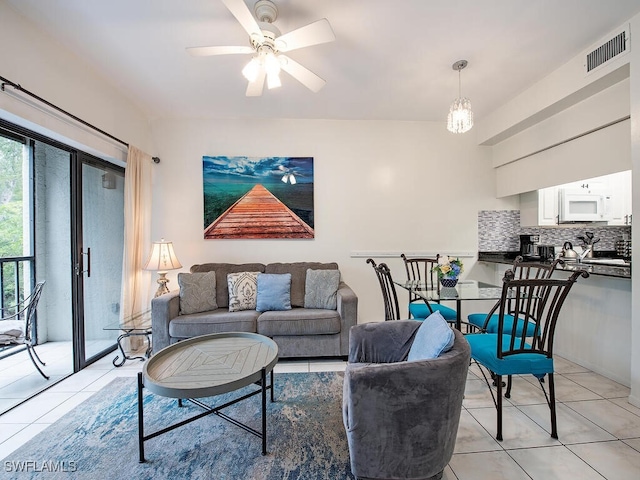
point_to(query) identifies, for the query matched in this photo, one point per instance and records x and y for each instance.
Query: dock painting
(258, 197)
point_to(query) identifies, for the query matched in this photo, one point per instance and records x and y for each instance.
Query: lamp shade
(162, 257)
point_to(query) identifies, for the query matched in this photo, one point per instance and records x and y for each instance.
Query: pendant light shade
(460, 118)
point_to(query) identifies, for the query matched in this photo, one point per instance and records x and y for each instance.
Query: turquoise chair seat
(420, 311)
(484, 348)
(478, 320)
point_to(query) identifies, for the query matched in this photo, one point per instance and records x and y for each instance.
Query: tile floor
(599, 430)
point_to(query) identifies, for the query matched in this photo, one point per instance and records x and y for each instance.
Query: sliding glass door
(99, 247)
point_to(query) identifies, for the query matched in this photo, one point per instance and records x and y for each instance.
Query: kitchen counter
(618, 271)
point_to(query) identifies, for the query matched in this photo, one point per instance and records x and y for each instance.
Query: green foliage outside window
(11, 210)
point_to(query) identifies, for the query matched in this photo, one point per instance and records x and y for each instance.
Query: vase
(448, 282)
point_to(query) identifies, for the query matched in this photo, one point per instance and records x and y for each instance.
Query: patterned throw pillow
(321, 289)
(243, 290)
(197, 292)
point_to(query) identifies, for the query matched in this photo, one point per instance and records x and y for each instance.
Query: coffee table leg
(264, 411)
(140, 419)
(272, 400)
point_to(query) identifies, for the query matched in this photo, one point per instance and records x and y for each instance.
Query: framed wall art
(258, 197)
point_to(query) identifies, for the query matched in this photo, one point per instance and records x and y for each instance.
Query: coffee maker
(529, 247)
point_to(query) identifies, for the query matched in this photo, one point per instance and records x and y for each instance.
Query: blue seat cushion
(420, 311)
(484, 350)
(478, 319)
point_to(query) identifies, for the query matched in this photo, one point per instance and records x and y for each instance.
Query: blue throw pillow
(274, 292)
(433, 338)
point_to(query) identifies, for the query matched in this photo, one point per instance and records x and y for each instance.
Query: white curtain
(136, 296)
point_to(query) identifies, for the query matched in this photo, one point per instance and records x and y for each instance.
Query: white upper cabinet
(540, 207)
(621, 198)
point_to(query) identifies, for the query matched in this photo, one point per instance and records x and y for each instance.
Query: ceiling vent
(607, 51)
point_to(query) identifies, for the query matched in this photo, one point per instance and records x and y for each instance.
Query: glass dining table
(465, 290)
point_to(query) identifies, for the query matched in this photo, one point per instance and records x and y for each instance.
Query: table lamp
(162, 259)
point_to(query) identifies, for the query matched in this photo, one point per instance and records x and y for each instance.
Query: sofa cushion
(243, 290)
(222, 269)
(433, 338)
(321, 289)
(298, 273)
(274, 292)
(197, 292)
(299, 321)
(217, 321)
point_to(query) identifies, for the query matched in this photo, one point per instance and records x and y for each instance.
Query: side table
(135, 325)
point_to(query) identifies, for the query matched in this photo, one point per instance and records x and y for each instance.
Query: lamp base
(162, 284)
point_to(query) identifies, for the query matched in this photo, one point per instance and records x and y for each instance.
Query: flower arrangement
(448, 267)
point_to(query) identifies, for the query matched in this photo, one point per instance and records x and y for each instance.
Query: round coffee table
(206, 366)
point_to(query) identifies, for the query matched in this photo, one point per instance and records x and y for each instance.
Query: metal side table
(135, 325)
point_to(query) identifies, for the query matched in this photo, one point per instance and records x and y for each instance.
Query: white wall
(379, 187)
(635, 161)
(32, 59)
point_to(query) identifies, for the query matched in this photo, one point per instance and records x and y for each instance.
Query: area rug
(99, 438)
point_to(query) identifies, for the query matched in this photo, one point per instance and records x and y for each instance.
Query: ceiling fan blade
(223, 50)
(242, 13)
(312, 34)
(254, 89)
(305, 76)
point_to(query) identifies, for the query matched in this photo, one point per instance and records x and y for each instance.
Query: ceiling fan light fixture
(271, 64)
(292, 179)
(251, 69)
(460, 118)
(273, 81)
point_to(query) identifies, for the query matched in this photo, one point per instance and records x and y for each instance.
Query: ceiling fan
(267, 45)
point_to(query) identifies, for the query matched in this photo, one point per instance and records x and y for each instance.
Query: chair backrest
(537, 303)
(421, 270)
(31, 303)
(389, 296)
(533, 270)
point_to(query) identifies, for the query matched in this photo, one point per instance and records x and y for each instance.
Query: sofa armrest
(382, 342)
(163, 309)
(348, 310)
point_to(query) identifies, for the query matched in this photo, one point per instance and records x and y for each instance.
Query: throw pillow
(243, 290)
(274, 292)
(197, 292)
(321, 289)
(433, 338)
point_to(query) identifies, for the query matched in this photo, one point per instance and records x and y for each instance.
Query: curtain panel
(136, 295)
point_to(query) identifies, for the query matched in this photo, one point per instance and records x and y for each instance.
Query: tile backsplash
(500, 230)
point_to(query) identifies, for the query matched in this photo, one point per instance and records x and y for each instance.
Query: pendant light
(460, 118)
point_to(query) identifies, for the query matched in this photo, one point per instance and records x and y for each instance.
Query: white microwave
(579, 205)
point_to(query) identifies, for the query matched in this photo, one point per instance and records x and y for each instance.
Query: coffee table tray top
(210, 365)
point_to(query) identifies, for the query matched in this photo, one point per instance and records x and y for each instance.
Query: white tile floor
(599, 430)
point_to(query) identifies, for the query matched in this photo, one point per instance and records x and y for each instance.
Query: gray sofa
(299, 332)
(401, 417)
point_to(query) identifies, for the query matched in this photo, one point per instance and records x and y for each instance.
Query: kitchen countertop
(621, 271)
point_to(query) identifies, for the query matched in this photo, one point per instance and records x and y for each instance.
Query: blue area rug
(99, 438)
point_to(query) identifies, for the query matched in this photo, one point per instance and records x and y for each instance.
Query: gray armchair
(401, 417)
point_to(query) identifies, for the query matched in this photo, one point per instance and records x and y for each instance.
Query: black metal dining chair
(17, 323)
(508, 352)
(388, 288)
(421, 270)
(488, 321)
